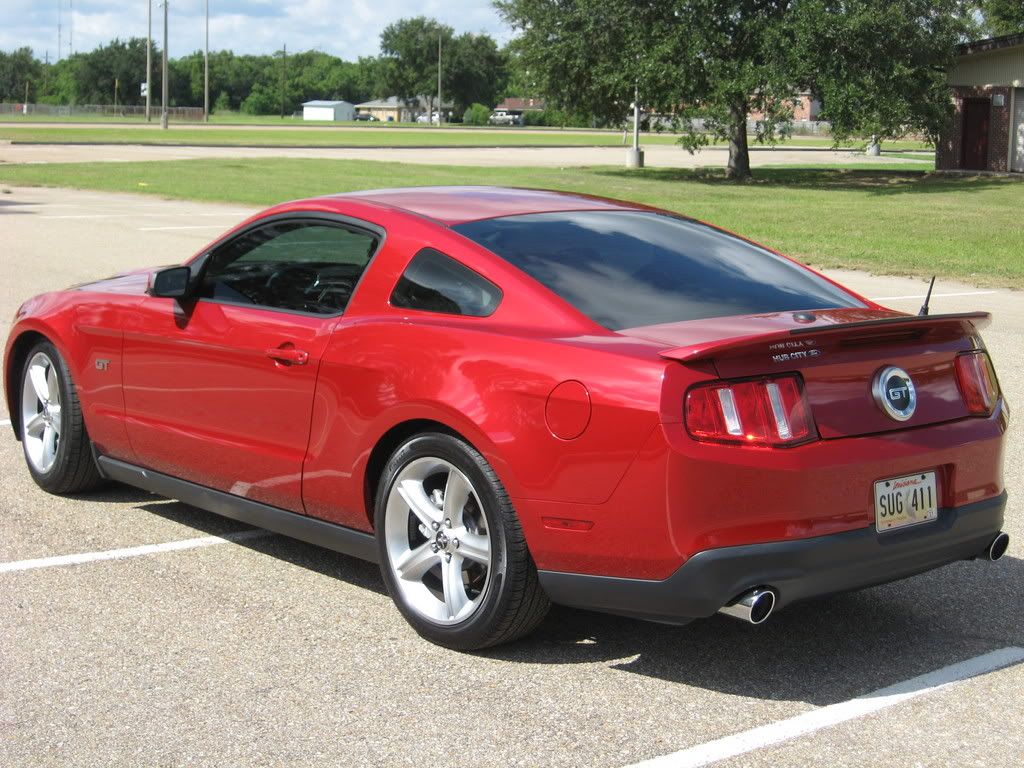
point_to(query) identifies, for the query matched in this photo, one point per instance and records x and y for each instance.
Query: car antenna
(923, 312)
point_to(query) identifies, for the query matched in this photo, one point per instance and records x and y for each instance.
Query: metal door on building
(975, 134)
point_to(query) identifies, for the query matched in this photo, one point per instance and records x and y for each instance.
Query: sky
(345, 28)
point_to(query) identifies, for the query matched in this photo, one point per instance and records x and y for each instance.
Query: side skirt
(309, 529)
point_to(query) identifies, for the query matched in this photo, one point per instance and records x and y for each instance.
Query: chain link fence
(183, 114)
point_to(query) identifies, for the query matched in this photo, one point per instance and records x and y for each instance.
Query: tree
(879, 66)
(411, 46)
(475, 71)
(120, 64)
(18, 69)
(708, 59)
(1003, 17)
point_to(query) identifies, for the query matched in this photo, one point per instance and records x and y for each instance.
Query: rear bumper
(796, 570)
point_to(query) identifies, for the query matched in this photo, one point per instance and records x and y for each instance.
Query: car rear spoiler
(796, 338)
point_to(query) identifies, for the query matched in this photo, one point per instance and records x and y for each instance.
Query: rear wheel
(56, 445)
(452, 553)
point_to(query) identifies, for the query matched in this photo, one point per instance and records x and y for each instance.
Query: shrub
(477, 114)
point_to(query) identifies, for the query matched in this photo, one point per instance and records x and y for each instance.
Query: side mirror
(171, 283)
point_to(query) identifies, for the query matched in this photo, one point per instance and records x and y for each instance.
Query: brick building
(987, 133)
(806, 108)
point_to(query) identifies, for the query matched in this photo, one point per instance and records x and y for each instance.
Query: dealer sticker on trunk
(904, 501)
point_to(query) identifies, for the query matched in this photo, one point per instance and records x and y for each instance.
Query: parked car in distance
(366, 116)
(425, 118)
(501, 117)
(512, 397)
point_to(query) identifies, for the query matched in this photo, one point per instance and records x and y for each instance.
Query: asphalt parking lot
(251, 649)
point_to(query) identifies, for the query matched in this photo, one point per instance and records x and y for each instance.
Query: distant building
(806, 109)
(987, 132)
(396, 110)
(328, 110)
(516, 106)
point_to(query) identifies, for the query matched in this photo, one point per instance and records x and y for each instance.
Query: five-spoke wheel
(57, 447)
(453, 555)
(41, 412)
(437, 540)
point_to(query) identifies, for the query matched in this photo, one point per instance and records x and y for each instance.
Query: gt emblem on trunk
(894, 392)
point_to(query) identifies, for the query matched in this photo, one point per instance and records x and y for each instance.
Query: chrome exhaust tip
(998, 547)
(754, 606)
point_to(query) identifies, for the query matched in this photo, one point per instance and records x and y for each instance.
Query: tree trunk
(739, 154)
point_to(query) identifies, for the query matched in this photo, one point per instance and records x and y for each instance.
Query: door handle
(288, 355)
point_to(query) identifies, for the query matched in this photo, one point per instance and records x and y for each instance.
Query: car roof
(457, 205)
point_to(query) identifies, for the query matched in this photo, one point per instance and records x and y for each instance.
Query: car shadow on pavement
(820, 652)
(348, 569)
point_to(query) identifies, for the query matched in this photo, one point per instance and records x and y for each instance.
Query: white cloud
(346, 28)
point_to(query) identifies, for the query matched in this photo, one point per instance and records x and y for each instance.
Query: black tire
(74, 467)
(513, 602)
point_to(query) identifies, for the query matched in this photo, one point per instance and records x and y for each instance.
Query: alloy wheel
(41, 412)
(437, 541)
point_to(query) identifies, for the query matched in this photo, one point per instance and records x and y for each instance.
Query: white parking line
(5, 422)
(121, 554)
(825, 717)
(934, 295)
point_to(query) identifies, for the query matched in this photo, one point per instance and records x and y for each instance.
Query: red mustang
(509, 397)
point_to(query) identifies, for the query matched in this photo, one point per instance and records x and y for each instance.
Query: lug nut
(447, 557)
(455, 543)
(447, 523)
(435, 526)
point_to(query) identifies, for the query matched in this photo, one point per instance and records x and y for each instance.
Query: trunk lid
(839, 354)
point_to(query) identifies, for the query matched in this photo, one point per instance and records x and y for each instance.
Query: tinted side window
(434, 282)
(627, 269)
(304, 266)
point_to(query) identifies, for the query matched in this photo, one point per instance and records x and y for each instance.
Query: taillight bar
(977, 381)
(764, 412)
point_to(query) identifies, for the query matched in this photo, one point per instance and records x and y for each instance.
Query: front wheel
(57, 447)
(452, 553)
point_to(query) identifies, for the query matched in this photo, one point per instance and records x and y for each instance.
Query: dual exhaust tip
(756, 605)
(998, 547)
(753, 607)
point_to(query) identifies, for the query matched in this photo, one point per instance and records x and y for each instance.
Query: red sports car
(513, 397)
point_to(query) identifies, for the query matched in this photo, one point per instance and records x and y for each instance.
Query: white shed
(328, 110)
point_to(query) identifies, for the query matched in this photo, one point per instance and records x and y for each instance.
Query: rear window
(628, 269)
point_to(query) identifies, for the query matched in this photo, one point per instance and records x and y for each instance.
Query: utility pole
(284, 74)
(149, 60)
(206, 68)
(60, 29)
(163, 84)
(438, 82)
(71, 27)
(635, 157)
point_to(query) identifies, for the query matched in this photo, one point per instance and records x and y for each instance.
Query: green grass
(275, 132)
(883, 219)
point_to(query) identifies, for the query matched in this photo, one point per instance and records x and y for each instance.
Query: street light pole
(438, 82)
(206, 68)
(149, 60)
(163, 84)
(635, 156)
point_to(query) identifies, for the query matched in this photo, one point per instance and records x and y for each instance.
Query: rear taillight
(760, 412)
(977, 381)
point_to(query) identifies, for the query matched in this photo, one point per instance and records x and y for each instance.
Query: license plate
(907, 500)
